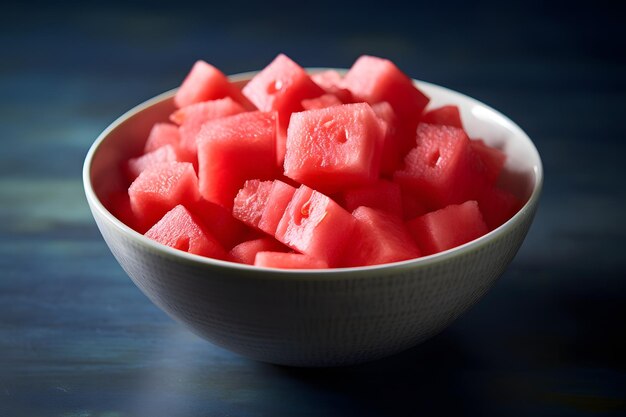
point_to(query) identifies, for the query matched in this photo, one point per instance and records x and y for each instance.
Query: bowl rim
(330, 273)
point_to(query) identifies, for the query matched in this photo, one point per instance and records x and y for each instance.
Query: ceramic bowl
(315, 317)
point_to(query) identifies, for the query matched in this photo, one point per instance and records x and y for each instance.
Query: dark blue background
(78, 339)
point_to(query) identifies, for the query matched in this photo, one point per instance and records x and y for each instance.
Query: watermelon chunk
(497, 205)
(445, 115)
(160, 155)
(192, 117)
(160, 188)
(261, 204)
(315, 225)
(162, 134)
(491, 160)
(374, 79)
(321, 102)
(381, 195)
(204, 82)
(220, 221)
(251, 201)
(390, 158)
(334, 148)
(332, 82)
(180, 230)
(245, 252)
(233, 149)
(439, 168)
(288, 261)
(379, 238)
(447, 228)
(118, 204)
(281, 87)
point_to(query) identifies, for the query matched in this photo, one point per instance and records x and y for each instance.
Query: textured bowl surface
(315, 318)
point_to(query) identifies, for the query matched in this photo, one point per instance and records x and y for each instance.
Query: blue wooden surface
(78, 339)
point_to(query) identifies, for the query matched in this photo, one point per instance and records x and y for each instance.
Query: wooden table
(77, 338)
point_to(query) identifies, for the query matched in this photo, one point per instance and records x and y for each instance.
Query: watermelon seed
(274, 87)
(305, 209)
(434, 159)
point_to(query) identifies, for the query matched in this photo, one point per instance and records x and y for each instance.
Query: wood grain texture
(77, 338)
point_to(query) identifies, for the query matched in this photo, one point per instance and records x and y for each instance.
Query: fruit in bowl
(369, 181)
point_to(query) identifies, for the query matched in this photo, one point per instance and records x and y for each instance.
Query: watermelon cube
(220, 222)
(192, 117)
(162, 134)
(164, 154)
(390, 158)
(261, 204)
(315, 225)
(334, 148)
(382, 195)
(332, 82)
(447, 228)
(321, 102)
(445, 115)
(281, 87)
(160, 188)
(245, 252)
(234, 149)
(496, 205)
(439, 168)
(374, 79)
(180, 230)
(118, 203)
(288, 261)
(204, 82)
(251, 201)
(379, 238)
(490, 160)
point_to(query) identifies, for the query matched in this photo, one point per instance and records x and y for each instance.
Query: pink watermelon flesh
(251, 201)
(334, 148)
(447, 228)
(413, 204)
(492, 159)
(332, 83)
(445, 115)
(220, 221)
(315, 225)
(192, 117)
(439, 168)
(180, 230)
(160, 155)
(245, 252)
(321, 102)
(204, 82)
(390, 158)
(374, 79)
(234, 149)
(160, 188)
(381, 195)
(288, 261)
(281, 87)
(277, 201)
(379, 238)
(162, 134)
(261, 204)
(497, 205)
(118, 204)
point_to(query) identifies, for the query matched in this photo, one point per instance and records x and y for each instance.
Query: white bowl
(315, 317)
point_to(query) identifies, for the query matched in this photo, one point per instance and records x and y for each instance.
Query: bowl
(315, 317)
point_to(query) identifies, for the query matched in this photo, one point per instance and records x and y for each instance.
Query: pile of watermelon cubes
(312, 171)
